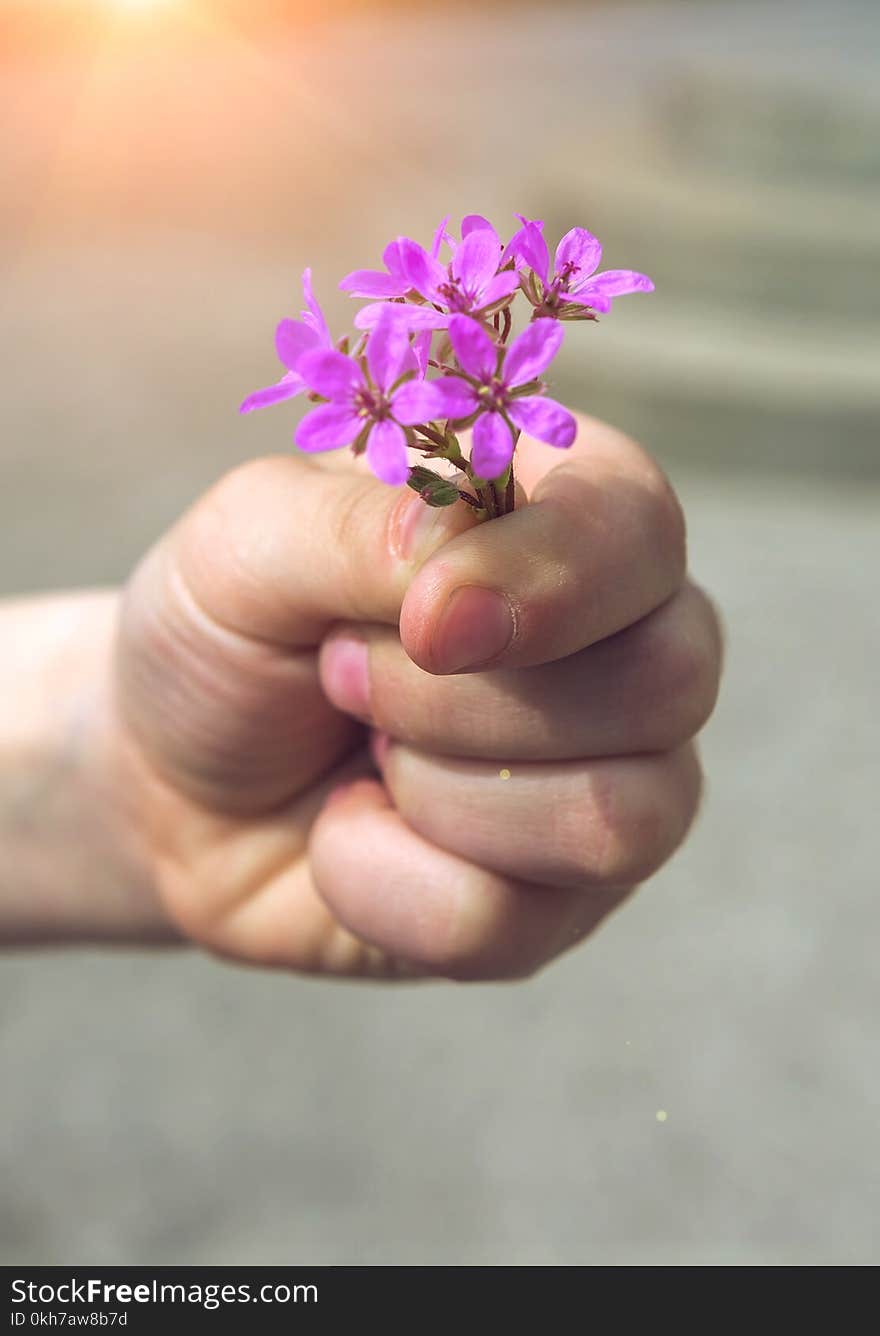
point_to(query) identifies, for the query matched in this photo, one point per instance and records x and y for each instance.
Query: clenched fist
(363, 737)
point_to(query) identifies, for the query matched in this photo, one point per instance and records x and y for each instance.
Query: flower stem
(498, 498)
(433, 436)
(504, 488)
(489, 499)
(510, 491)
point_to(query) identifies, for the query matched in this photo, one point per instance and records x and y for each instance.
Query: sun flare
(135, 6)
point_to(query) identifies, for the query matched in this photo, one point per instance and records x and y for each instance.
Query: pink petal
(614, 283)
(476, 260)
(581, 249)
(499, 287)
(292, 339)
(492, 450)
(409, 362)
(439, 237)
(511, 249)
(386, 452)
(287, 387)
(423, 272)
(330, 373)
(532, 351)
(422, 351)
(328, 428)
(387, 347)
(529, 244)
(417, 401)
(391, 258)
(458, 399)
(411, 317)
(474, 349)
(594, 300)
(313, 315)
(474, 222)
(372, 283)
(544, 419)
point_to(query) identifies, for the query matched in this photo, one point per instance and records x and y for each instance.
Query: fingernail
(475, 627)
(345, 674)
(417, 527)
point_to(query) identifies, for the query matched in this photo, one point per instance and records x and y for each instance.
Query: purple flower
(519, 241)
(475, 222)
(380, 401)
(373, 283)
(421, 351)
(574, 279)
(502, 392)
(468, 285)
(394, 283)
(293, 338)
(374, 404)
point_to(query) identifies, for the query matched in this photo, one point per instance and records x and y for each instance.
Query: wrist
(75, 865)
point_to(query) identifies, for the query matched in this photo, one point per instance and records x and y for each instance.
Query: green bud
(434, 490)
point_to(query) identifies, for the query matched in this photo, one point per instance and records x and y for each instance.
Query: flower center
(493, 394)
(562, 279)
(454, 295)
(371, 403)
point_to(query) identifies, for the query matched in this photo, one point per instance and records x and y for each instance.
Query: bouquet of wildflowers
(435, 353)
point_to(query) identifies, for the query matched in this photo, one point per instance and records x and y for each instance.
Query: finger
(437, 912)
(281, 548)
(595, 824)
(600, 545)
(648, 688)
(534, 460)
(243, 889)
(360, 896)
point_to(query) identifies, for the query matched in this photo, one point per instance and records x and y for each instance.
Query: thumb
(217, 666)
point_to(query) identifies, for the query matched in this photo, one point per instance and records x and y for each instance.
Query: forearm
(72, 867)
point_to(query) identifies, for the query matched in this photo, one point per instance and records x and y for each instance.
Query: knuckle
(247, 475)
(495, 935)
(668, 522)
(674, 670)
(686, 666)
(627, 839)
(226, 536)
(235, 493)
(633, 828)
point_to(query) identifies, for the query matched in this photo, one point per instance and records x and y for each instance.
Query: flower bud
(434, 490)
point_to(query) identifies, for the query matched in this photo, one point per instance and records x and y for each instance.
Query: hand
(530, 722)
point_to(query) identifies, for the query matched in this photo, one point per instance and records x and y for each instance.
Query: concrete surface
(167, 1109)
(164, 1108)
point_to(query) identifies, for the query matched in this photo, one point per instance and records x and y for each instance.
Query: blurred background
(167, 169)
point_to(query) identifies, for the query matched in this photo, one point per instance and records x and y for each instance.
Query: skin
(196, 759)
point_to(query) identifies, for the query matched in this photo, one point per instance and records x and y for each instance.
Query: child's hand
(550, 671)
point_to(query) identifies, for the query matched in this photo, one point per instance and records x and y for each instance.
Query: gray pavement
(163, 1108)
(167, 1108)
